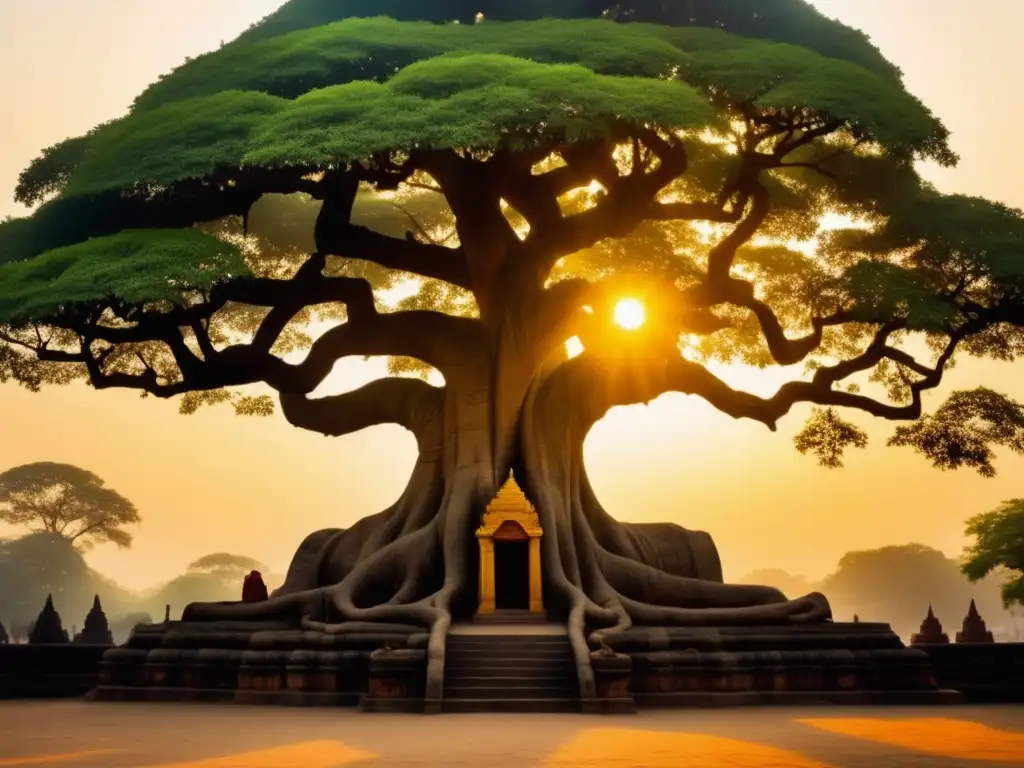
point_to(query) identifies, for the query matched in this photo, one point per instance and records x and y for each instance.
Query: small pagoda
(974, 629)
(510, 517)
(931, 631)
(96, 630)
(48, 628)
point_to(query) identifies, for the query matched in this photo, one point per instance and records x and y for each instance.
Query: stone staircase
(510, 673)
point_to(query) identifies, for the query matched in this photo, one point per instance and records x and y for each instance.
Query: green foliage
(946, 238)
(134, 267)
(180, 142)
(374, 49)
(827, 436)
(476, 101)
(880, 289)
(189, 137)
(68, 501)
(998, 547)
(47, 176)
(964, 430)
(788, 21)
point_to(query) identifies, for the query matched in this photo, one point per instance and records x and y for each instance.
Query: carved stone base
(612, 673)
(254, 663)
(858, 663)
(397, 681)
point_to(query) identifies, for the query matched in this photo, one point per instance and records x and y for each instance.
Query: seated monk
(253, 588)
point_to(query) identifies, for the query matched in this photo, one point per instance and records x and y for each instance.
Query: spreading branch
(411, 403)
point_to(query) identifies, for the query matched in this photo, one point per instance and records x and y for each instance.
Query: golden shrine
(509, 519)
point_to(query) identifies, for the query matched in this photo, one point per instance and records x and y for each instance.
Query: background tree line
(68, 510)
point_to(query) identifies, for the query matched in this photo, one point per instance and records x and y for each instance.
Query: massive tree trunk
(504, 408)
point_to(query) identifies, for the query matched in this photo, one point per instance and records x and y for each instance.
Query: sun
(630, 314)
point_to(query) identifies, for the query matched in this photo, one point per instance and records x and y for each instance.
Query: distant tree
(213, 578)
(48, 628)
(224, 561)
(66, 500)
(998, 548)
(896, 584)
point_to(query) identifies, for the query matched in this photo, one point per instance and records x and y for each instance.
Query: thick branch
(600, 384)
(424, 259)
(412, 403)
(437, 339)
(721, 257)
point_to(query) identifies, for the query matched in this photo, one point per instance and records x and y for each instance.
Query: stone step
(501, 681)
(483, 652)
(505, 669)
(495, 692)
(510, 616)
(511, 705)
(491, 641)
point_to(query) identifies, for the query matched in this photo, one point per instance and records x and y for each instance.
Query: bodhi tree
(518, 169)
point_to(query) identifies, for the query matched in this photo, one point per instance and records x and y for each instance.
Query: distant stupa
(974, 630)
(96, 630)
(48, 628)
(931, 631)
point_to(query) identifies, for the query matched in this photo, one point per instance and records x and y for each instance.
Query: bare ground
(94, 735)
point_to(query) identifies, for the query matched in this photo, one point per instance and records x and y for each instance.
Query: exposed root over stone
(413, 565)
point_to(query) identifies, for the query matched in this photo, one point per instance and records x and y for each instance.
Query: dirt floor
(94, 735)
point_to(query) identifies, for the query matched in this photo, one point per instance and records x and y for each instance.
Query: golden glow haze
(215, 482)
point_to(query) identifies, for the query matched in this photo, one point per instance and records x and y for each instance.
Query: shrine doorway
(511, 568)
(510, 572)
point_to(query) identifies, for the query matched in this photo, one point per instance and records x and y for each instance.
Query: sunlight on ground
(958, 739)
(622, 748)
(630, 314)
(64, 757)
(311, 754)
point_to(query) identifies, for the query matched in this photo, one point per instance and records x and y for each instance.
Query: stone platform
(384, 669)
(260, 663)
(829, 663)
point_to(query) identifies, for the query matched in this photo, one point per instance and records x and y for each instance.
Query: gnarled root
(407, 566)
(613, 575)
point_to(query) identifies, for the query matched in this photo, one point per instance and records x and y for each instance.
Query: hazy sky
(214, 482)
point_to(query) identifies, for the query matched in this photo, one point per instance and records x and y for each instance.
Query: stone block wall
(49, 671)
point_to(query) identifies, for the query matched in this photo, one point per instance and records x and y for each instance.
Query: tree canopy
(68, 501)
(998, 548)
(765, 118)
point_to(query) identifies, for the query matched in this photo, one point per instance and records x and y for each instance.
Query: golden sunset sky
(215, 482)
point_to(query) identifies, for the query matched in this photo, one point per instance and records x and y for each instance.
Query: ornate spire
(510, 498)
(974, 630)
(931, 630)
